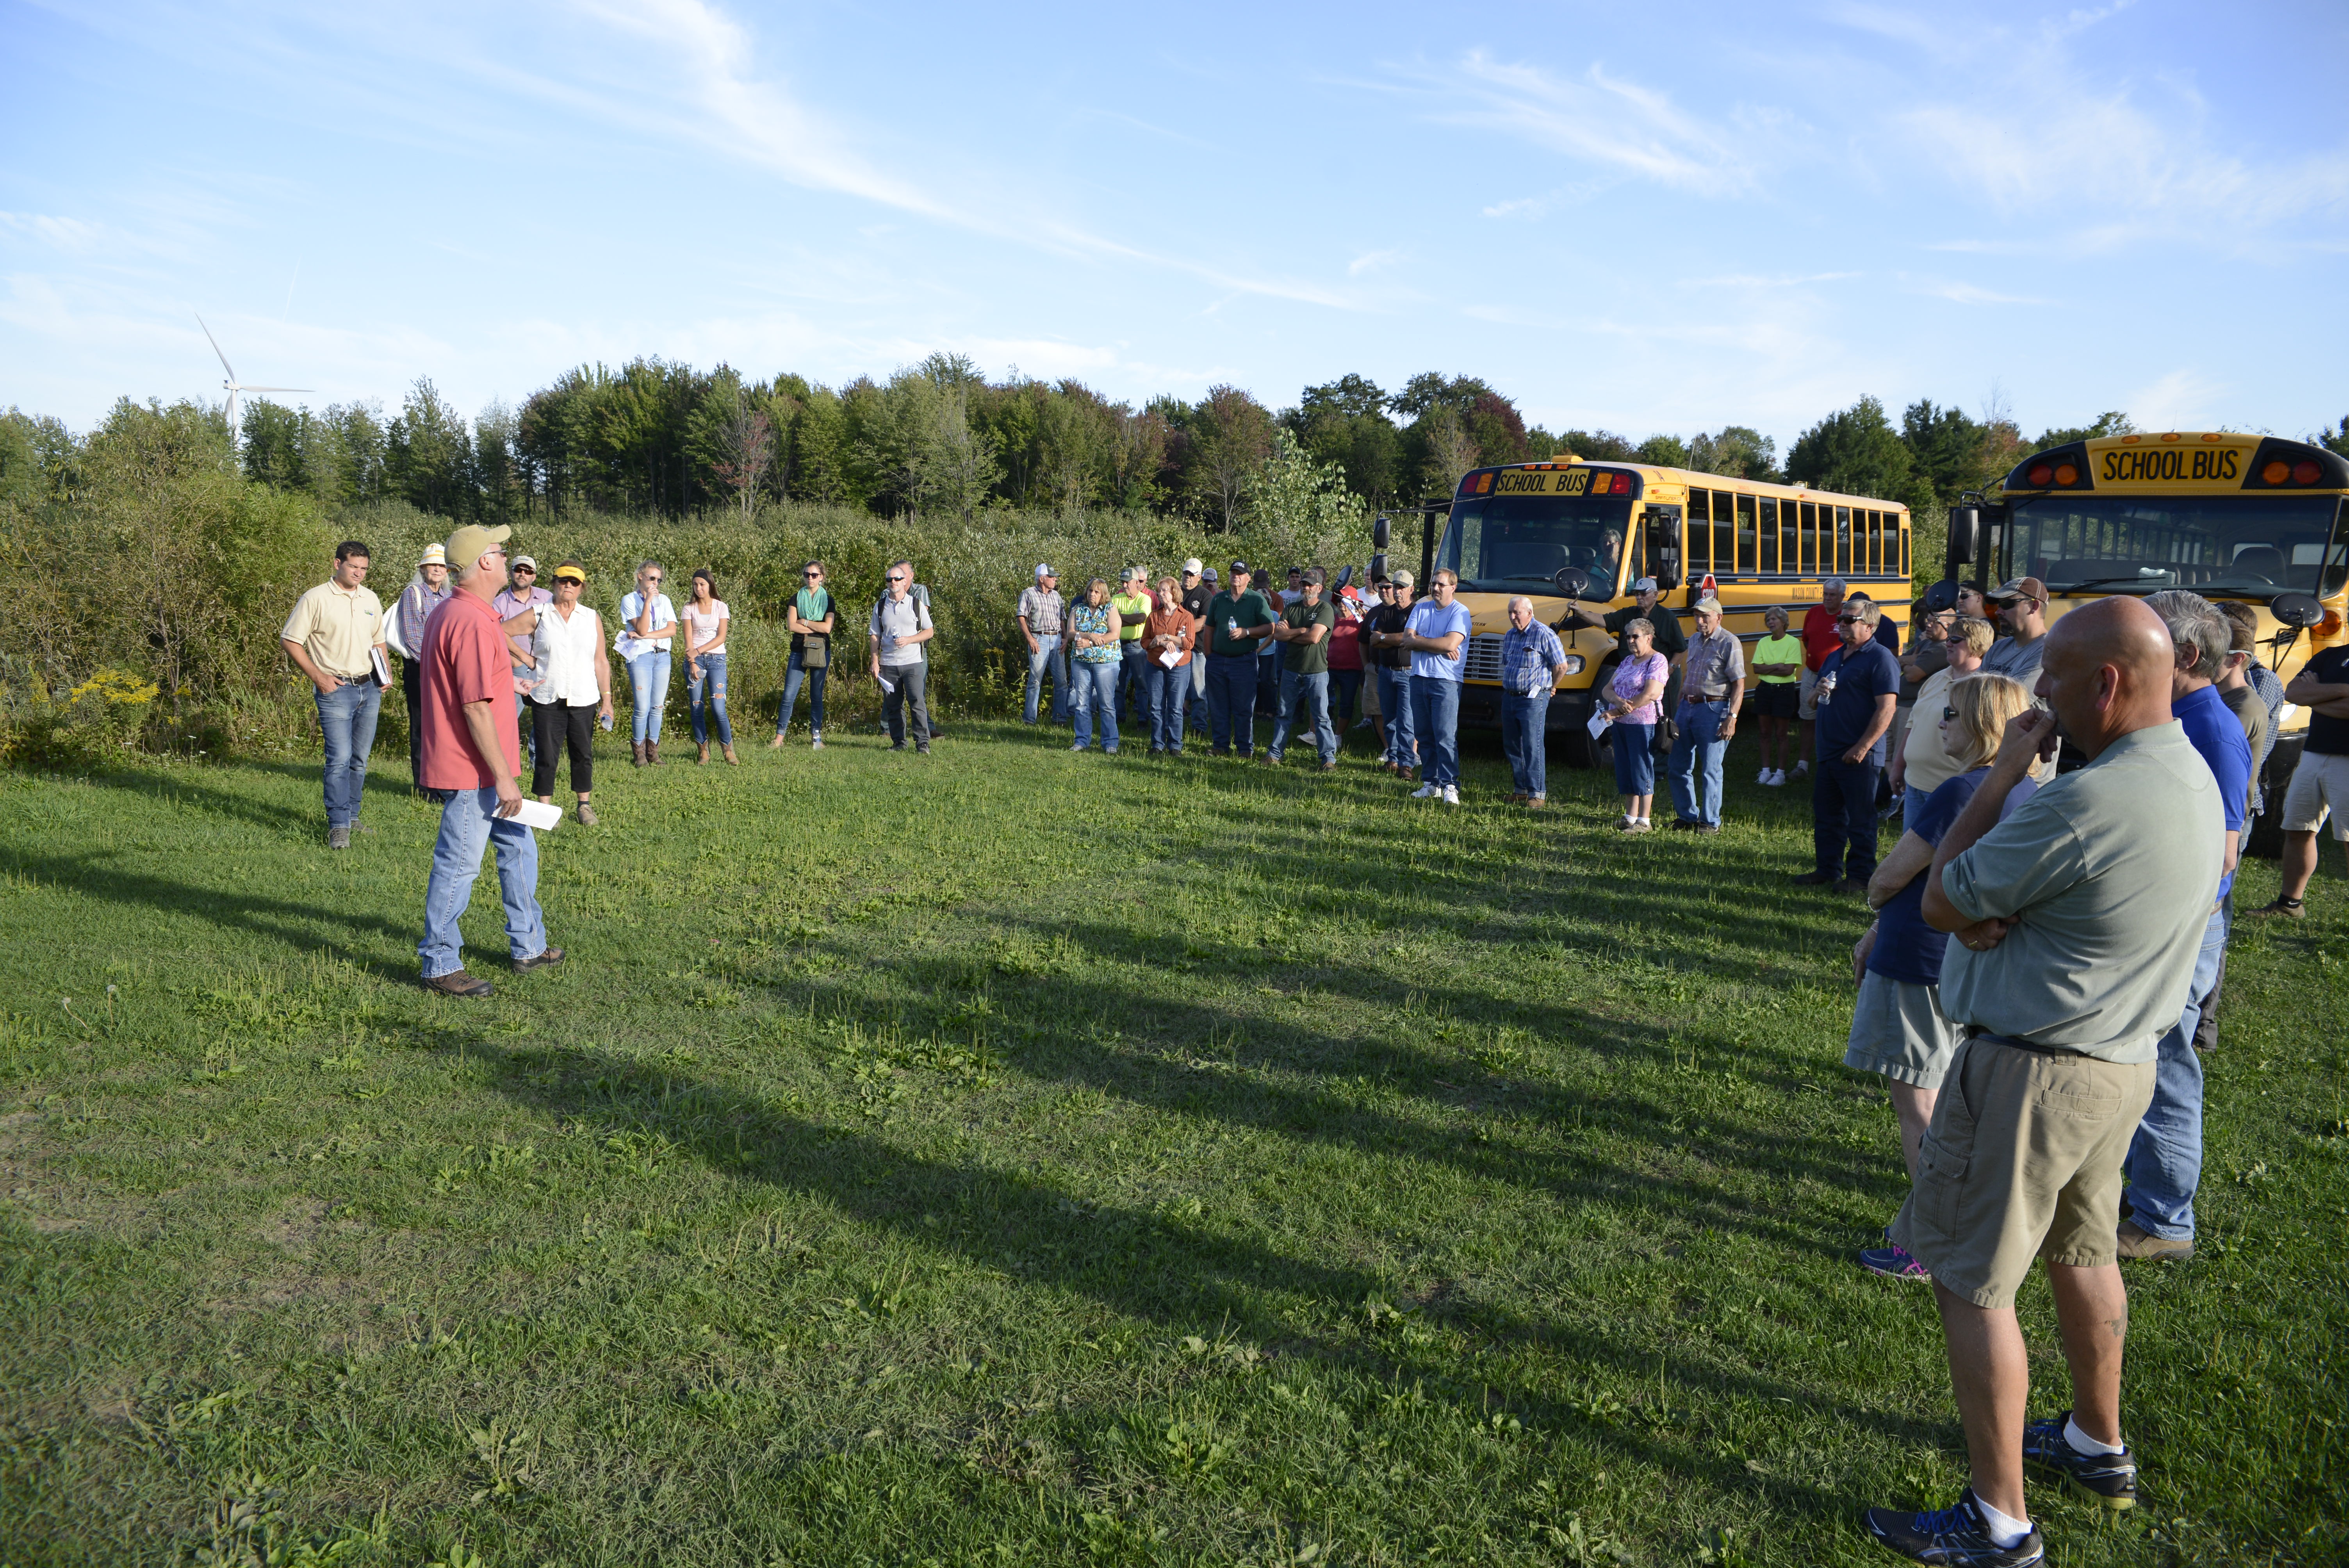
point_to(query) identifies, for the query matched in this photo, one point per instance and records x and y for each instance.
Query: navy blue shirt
(1861, 675)
(1906, 949)
(2327, 736)
(2220, 740)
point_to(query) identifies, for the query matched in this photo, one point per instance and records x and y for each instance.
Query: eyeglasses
(654, 578)
(1949, 715)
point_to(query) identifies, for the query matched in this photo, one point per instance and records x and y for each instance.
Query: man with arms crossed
(470, 753)
(334, 636)
(2320, 785)
(1437, 635)
(2077, 920)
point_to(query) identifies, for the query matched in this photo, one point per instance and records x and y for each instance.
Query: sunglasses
(812, 574)
(1949, 715)
(1849, 621)
(533, 570)
(654, 578)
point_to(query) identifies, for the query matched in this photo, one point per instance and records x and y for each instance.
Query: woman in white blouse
(649, 626)
(571, 686)
(705, 667)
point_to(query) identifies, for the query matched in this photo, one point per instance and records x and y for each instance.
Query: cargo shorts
(2023, 1159)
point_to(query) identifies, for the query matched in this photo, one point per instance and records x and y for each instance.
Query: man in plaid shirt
(1533, 661)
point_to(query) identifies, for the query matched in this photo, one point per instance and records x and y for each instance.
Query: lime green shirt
(1786, 650)
(1130, 605)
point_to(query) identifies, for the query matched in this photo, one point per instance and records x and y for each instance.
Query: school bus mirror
(1667, 569)
(1377, 566)
(1381, 531)
(1965, 536)
(2297, 611)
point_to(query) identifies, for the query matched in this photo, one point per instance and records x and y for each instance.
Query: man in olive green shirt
(2078, 920)
(1238, 619)
(1304, 635)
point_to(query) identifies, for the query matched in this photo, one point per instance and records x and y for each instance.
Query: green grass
(1008, 1157)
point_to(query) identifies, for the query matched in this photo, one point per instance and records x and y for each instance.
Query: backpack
(916, 592)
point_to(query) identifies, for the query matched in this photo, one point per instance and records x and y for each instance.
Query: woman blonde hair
(1981, 707)
(1973, 633)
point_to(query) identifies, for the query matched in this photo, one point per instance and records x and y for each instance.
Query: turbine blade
(280, 388)
(216, 349)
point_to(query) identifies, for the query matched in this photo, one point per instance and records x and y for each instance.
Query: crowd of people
(2091, 904)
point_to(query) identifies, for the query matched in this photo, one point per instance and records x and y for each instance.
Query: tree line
(938, 438)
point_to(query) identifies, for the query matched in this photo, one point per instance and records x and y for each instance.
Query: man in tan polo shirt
(334, 636)
(2078, 919)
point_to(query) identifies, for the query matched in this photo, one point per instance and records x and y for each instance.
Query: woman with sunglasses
(1897, 1027)
(1633, 702)
(809, 619)
(705, 668)
(1093, 637)
(571, 685)
(648, 626)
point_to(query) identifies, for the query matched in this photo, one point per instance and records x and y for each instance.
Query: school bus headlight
(1574, 663)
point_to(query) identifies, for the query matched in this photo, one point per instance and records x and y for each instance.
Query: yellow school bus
(1536, 528)
(2228, 515)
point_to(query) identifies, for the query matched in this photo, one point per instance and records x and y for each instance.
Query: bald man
(2077, 919)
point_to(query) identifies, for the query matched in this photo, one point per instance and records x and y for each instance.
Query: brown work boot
(702, 760)
(652, 753)
(2136, 1242)
(545, 958)
(457, 983)
(636, 754)
(2290, 908)
(732, 760)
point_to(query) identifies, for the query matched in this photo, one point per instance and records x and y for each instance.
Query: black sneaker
(2109, 1479)
(1954, 1536)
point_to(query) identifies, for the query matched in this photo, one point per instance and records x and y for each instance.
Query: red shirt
(466, 659)
(1819, 637)
(1346, 637)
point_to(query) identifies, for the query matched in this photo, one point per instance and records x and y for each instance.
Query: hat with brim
(1644, 585)
(1708, 606)
(435, 554)
(2018, 588)
(518, 562)
(1191, 567)
(569, 575)
(471, 543)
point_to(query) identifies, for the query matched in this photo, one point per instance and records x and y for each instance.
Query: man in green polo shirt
(1304, 637)
(1132, 602)
(2077, 921)
(1238, 619)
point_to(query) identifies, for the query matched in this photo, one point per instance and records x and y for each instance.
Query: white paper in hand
(543, 815)
(1598, 722)
(1171, 657)
(887, 685)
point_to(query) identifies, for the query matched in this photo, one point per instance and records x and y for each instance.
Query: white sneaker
(1424, 791)
(1451, 795)
(1762, 777)
(816, 744)
(1773, 777)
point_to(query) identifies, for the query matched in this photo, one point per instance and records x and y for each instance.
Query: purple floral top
(1633, 677)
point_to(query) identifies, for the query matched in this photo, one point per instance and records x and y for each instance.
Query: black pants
(553, 726)
(411, 687)
(907, 682)
(1843, 815)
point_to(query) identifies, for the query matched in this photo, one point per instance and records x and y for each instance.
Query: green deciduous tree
(1858, 452)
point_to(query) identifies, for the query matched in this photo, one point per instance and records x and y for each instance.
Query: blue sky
(1647, 218)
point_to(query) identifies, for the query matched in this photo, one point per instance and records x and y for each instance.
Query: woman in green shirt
(1094, 662)
(1777, 692)
(808, 616)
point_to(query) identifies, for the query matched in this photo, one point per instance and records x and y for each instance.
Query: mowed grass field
(1007, 1157)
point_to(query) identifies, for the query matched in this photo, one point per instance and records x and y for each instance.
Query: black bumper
(1480, 707)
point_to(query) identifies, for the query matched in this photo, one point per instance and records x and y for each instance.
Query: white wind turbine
(236, 388)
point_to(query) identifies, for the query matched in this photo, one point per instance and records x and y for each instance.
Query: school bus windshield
(2261, 545)
(1515, 544)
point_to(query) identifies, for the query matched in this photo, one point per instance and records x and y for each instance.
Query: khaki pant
(2023, 1159)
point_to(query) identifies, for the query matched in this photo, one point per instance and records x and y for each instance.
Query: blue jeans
(1524, 720)
(467, 823)
(1635, 757)
(1197, 702)
(1435, 720)
(1700, 740)
(2165, 1159)
(1167, 693)
(1345, 698)
(1267, 681)
(1231, 700)
(1096, 694)
(1395, 702)
(1049, 651)
(1843, 815)
(705, 698)
(793, 674)
(1311, 693)
(346, 719)
(649, 679)
(1132, 673)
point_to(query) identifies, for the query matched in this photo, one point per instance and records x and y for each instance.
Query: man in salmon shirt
(1820, 638)
(470, 753)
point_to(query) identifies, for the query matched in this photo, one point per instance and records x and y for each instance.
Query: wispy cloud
(2175, 401)
(1961, 292)
(1597, 118)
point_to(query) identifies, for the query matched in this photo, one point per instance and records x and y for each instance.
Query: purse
(816, 651)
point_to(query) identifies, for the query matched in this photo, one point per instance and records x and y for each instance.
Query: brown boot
(636, 754)
(732, 760)
(703, 759)
(652, 753)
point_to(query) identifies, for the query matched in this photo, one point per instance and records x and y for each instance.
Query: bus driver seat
(2263, 561)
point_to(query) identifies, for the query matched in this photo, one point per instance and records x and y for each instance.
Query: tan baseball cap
(2019, 588)
(1708, 605)
(471, 543)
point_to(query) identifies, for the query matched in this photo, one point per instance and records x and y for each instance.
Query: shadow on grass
(1150, 1264)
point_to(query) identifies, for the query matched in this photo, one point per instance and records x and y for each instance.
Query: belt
(1974, 1032)
(1715, 697)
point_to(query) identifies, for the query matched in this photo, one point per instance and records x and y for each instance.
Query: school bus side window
(1843, 540)
(1747, 543)
(1699, 534)
(1725, 535)
(1768, 558)
(1814, 564)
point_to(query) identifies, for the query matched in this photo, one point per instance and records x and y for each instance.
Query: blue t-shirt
(1429, 619)
(2220, 738)
(1906, 949)
(1861, 676)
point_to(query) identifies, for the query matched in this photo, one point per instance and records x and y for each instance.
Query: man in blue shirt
(1436, 636)
(2165, 1158)
(1858, 687)
(1533, 661)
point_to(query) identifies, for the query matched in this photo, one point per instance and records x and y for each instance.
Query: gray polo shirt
(894, 620)
(2017, 661)
(1716, 665)
(2108, 874)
